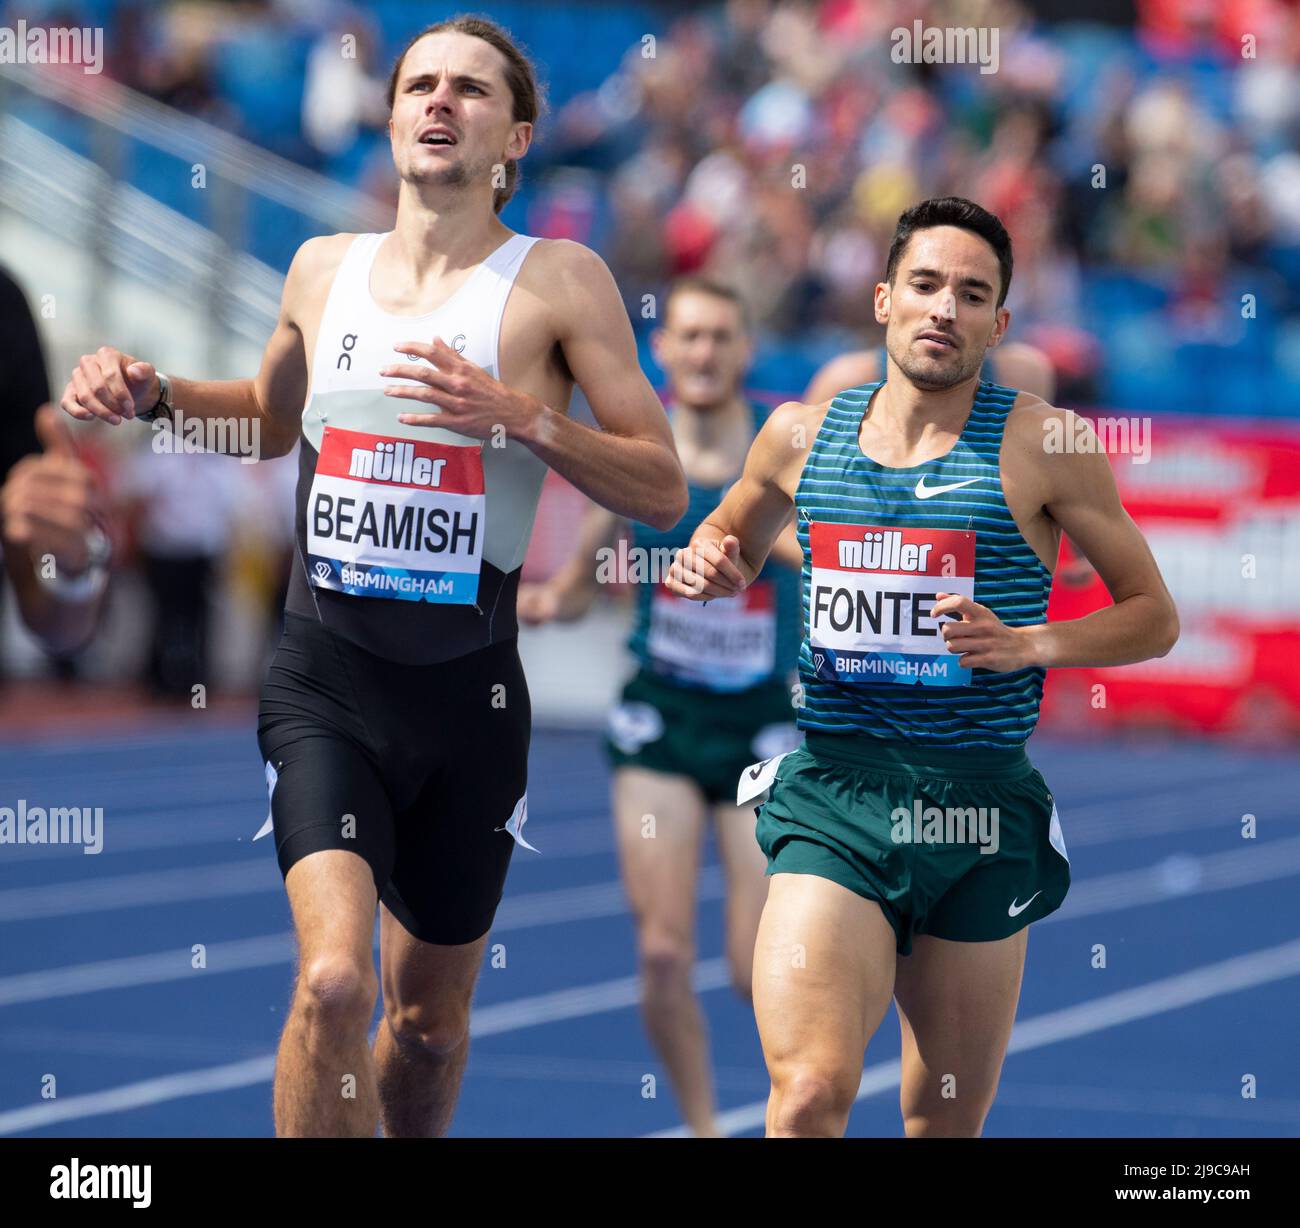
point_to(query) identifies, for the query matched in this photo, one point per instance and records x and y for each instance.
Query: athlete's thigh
(431, 981)
(333, 827)
(659, 826)
(956, 1007)
(454, 838)
(332, 897)
(823, 974)
(745, 865)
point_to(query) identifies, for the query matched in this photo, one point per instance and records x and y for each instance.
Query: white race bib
(397, 518)
(871, 595)
(727, 644)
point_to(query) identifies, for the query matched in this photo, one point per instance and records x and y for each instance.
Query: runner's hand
(51, 501)
(707, 569)
(981, 639)
(466, 398)
(109, 385)
(537, 604)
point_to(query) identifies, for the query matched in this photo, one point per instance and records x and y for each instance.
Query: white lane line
(489, 1021)
(137, 1095)
(1127, 1006)
(1167, 879)
(79, 896)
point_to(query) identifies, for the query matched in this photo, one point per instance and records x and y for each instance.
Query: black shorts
(415, 768)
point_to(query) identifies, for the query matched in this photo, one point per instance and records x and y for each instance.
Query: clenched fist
(110, 385)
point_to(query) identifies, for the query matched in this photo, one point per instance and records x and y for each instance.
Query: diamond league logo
(322, 571)
(819, 659)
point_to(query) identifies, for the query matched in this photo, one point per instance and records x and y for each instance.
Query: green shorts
(709, 737)
(961, 844)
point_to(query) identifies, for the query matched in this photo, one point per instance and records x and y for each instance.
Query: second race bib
(728, 645)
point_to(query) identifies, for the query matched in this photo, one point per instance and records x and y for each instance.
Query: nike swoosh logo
(928, 492)
(756, 772)
(1015, 911)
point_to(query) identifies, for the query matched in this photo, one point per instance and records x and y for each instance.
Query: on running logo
(77, 1180)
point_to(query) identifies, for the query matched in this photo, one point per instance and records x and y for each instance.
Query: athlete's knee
(810, 1101)
(428, 1029)
(666, 962)
(338, 993)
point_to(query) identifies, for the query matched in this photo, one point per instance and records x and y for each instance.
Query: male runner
(711, 694)
(930, 512)
(395, 718)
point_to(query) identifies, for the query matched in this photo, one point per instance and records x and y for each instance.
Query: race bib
(870, 601)
(397, 518)
(729, 644)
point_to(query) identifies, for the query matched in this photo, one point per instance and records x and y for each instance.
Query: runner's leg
(423, 1040)
(324, 1080)
(956, 1006)
(660, 866)
(823, 977)
(745, 866)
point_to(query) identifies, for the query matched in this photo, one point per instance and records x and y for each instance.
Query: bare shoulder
(564, 264)
(313, 268)
(844, 371)
(786, 439)
(573, 282)
(1033, 424)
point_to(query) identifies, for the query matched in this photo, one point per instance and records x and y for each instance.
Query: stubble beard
(934, 375)
(458, 175)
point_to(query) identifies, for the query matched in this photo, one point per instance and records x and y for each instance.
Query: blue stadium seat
(262, 76)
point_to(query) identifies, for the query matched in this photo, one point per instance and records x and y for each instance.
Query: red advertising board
(1219, 504)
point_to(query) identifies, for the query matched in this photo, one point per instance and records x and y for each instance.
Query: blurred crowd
(1162, 153)
(1149, 175)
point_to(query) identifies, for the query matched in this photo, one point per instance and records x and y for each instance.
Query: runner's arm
(1143, 621)
(630, 465)
(111, 385)
(786, 549)
(731, 545)
(570, 593)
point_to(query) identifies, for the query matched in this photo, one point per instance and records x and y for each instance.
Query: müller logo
(884, 551)
(395, 462)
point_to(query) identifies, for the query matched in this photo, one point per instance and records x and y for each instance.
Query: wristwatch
(162, 408)
(90, 583)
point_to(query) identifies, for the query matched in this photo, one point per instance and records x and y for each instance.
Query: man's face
(703, 348)
(941, 314)
(451, 121)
